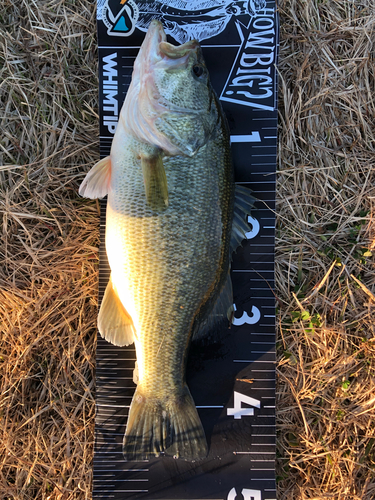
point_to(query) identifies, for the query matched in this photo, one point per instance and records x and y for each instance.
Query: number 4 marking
(237, 411)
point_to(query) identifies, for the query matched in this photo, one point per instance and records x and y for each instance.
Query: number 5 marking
(245, 318)
(247, 494)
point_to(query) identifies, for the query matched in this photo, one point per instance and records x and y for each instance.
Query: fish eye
(198, 70)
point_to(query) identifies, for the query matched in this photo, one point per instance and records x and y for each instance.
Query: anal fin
(114, 322)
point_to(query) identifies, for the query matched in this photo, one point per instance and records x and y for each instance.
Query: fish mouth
(154, 36)
(158, 48)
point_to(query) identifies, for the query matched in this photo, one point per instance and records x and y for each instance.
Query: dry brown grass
(324, 263)
(49, 256)
(325, 266)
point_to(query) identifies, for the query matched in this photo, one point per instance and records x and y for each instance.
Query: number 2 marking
(245, 318)
(237, 411)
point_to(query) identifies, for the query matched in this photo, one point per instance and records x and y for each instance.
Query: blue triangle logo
(121, 25)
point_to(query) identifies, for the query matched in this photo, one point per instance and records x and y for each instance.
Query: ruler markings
(263, 182)
(121, 491)
(122, 470)
(114, 385)
(119, 48)
(122, 480)
(115, 406)
(119, 358)
(206, 406)
(255, 452)
(251, 361)
(264, 380)
(220, 46)
(253, 271)
(262, 444)
(262, 165)
(138, 469)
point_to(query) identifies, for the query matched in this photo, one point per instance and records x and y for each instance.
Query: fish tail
(171, 426)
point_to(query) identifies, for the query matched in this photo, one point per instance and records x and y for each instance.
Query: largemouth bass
(172, 223)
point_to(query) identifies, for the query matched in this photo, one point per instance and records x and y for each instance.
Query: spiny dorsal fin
(155, 180)
(96, 183)
(243, 204)
(114, 322)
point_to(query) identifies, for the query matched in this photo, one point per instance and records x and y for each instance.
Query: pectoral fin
(96, 183)
(114, 322)
(155, 180)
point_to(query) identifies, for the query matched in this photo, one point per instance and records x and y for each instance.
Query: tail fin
(171, 426)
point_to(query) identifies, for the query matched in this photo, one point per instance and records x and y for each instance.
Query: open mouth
(157, 40)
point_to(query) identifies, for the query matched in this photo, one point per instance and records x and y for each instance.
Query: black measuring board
(232, 381)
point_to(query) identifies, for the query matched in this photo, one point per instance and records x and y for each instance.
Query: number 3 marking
(245, 318)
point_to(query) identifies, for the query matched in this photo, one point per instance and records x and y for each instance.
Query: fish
(174, 218)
